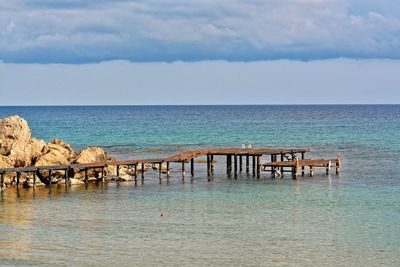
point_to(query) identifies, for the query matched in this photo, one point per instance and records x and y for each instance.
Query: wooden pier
(296, 167)
(289, 162)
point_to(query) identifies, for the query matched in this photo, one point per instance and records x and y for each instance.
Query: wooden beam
(228, 164)
(183, 168)
(192, 166)
(167, 169)
(294, 170)
(18, 176)
(135, 172)
(328, 167)
(208, 166)
(1, 181)
(247, 163)
(212, 163)
(65, 176)
(240, 163)
(49, 178)
(235, 165)
(338, 163)
(254, 165)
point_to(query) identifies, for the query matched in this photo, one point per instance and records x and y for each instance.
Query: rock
(76, 181)
(92, 154)
(63, 148)
(56, 153)
(124, 178)
(125, 173)
(72, 180)
(38, 148)
(6, 162)
(53, 157)
(15, 138)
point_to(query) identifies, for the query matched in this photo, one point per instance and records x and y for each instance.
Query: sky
(199, 51)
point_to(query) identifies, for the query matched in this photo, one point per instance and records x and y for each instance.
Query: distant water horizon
(347, 220)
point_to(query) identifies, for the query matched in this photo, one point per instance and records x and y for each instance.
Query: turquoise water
(350, 220)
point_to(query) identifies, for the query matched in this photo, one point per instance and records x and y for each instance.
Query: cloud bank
(79, 31)
(210, 82)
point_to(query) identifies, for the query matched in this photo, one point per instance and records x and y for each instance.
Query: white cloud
(196, 29)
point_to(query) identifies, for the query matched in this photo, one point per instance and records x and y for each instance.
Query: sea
(352, 219)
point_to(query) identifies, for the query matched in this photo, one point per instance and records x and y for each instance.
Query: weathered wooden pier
(292, 160)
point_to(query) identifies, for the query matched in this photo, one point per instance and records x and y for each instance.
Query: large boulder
(53, 157)
(56, 152)
(63, 148)
(38, 148)
(92, 154)
(15, 138)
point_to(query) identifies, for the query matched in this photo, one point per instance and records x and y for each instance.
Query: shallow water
(350, 220)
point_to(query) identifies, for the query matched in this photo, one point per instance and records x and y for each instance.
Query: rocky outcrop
(15, 137)
(64, 149)
(92, 154)
(56, 152)
(53, 157)
(38, 148)
(18, 149)
(5, 162)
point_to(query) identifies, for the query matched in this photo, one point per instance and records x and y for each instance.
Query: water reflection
(317, 219)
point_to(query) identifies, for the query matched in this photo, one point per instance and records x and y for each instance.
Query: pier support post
(159, 170)
(240, 163)
(135, 172)
(229, 164)
(192, 167)
(49, 178)
(183, 169)
(302, 167)
(235, 165)
(208, 166)
(18, 176)
(142, 167)
(66, 178)
(117, 170)
(258, 166)
(212, 163)
(167, 169)
(86, 175)
(273, 159)
(34, 179)
(247, 163)
(1, 181)
(328, 167)
(294, 169)
(338, 164)
(254, 165)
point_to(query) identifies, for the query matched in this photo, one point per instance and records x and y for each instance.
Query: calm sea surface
(350, 220)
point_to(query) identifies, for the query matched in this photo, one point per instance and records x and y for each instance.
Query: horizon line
(204, 105)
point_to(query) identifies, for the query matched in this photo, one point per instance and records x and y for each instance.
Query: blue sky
(199, 51)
